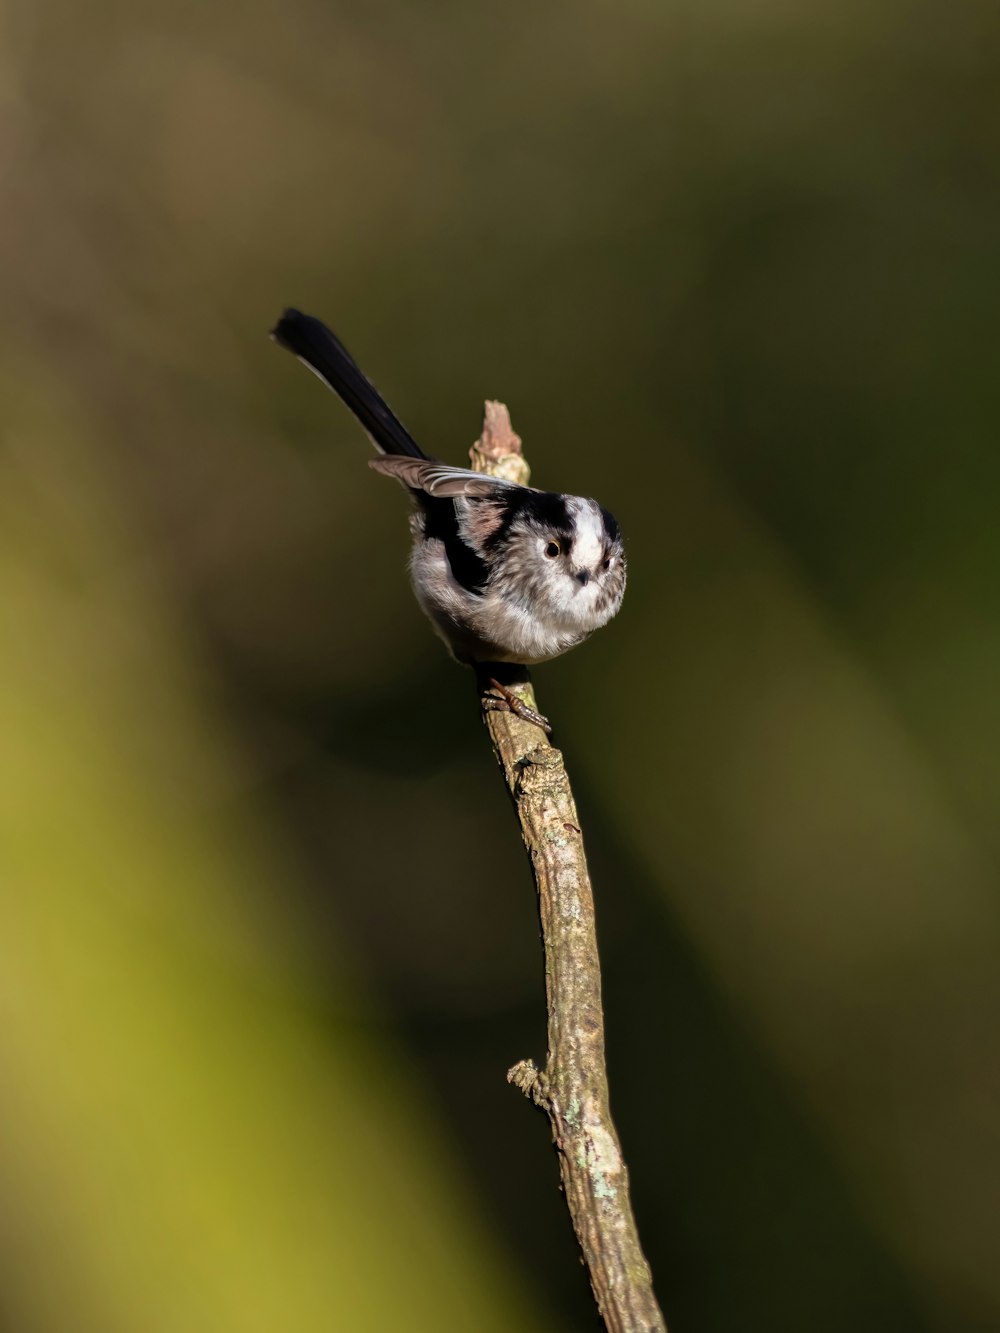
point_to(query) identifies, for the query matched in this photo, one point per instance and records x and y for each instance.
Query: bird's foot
(508, 702)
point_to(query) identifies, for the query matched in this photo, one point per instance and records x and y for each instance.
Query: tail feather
(316, 347)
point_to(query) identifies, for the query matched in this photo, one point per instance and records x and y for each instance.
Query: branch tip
(498, 449)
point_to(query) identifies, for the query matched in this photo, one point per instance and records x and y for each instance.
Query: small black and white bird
(505, 573)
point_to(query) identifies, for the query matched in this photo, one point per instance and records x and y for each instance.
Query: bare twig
(573, 1088)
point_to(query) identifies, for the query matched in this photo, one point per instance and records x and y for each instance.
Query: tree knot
(529, 1079)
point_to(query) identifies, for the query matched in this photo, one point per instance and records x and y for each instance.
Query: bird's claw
(508, 702)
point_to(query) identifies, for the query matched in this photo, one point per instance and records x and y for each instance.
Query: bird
(505, 573)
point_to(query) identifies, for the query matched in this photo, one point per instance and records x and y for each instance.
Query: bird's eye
(606, 563)
(552, 550)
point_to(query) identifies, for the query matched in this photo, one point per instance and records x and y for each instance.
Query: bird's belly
(492, 630)
(508, 633)
(484, 627)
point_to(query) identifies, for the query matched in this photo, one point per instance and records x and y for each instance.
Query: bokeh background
(267, 939)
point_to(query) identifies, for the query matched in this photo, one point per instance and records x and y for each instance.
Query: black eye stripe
(543, 511)
(611, 529)
(549, 509)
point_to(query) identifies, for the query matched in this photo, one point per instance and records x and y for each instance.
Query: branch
(573, 1088)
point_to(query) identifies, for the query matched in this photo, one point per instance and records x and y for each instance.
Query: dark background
(268, 941)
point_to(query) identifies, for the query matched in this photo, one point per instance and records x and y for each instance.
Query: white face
(571, 571)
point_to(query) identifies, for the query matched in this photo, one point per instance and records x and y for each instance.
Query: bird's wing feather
(441, 481)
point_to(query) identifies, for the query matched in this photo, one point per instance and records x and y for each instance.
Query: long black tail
(316, 347)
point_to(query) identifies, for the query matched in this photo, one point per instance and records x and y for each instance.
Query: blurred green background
(267, 939)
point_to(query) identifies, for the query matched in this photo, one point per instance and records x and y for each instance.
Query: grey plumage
(505, 573)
